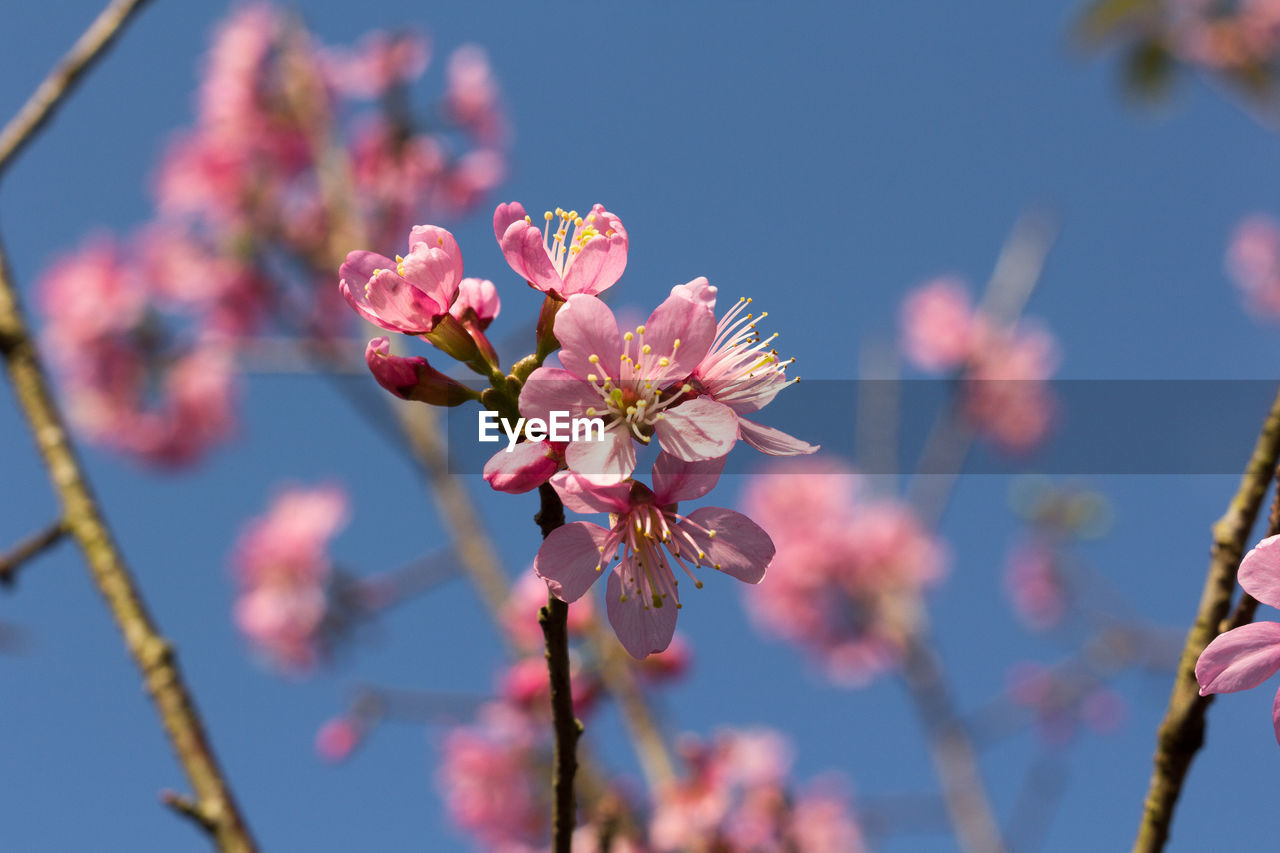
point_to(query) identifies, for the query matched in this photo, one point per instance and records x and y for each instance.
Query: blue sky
(820, 160)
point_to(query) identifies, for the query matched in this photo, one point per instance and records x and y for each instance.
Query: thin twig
(963, 791)
(152, 653)
(1182, 731)
(29, 548)
(49, 95)
(554, 619)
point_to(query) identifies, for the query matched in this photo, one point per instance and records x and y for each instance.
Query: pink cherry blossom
(338, 738)
(1253, 261)
(471, 95)
(477, 304)
(378, 63)
(1034, 584)
(642, 597)
(633, 382)
(527, 466)
(850, 569)
(487, 775)
(413, 378)
(410, 294)
(583, 255)
(282, 568)
(1245, 657)
(520, 614)
(740, 371)
(938, 325)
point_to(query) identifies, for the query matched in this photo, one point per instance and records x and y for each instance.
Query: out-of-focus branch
(84, 522)
(1182, 731)
(554, 619)
(29, 548)
(154, 655)
(963, 791)
(48, 96)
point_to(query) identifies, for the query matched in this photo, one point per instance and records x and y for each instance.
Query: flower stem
(554, 621)
(29, 548)
(1182, 731)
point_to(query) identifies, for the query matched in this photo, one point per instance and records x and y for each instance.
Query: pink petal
(772, 441)
(642, 628)
(1260, 571)
(580, 494)
(384, 298)
(1243, 657)
(527, 466)
(585, 327)
(676, 480)
(699, 291)
(549, 389)
(505, 215)
(1275, 716)
(739, 548)
(600, 263)
(524, 247)
(698, 430)
(434, 272)
(610, 461)
(569, 559)
(678, 318)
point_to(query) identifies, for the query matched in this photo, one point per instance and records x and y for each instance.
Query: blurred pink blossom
(282, 569)
(850, 569)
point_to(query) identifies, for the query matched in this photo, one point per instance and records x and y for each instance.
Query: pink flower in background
(525, 685)
(735, 798)
(520, 613)
(1006, 395)
(282, 569)
(410, 294)
(624, 378)
(587, 261)
(1245, 657)
(1034, 584)
(850, 569)
(378, 63)
(1063, 700)
(1253, 262)
(471, 94)
(338, 738)
(937, 321)
(642, 599)
(1004, 368)
(487, 776)
(741, 372)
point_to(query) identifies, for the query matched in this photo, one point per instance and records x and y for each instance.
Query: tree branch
(48, 96)
(27, 549)
(963, 791)
(1182, 731)
(554, 621)
(84, 522)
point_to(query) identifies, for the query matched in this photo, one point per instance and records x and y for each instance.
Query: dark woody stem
(554, 621)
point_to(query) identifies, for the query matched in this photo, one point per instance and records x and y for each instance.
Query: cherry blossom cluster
(735, 795)
(846, 582)
(683, 380)
(284, 162)
(1002, 368)
(1238, 40)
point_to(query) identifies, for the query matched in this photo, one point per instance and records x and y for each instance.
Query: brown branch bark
(153, 654)
(554, 621)
(48, 96)
(29, 548)
(1182, 732)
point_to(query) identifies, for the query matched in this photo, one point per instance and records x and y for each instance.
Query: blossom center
(631, 397)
